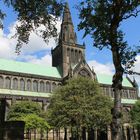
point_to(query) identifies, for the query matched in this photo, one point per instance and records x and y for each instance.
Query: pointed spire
(67, 29)
(67, 15)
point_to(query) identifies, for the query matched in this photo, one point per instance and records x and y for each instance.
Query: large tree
(102, 20)
(33, 14)
(80, 105)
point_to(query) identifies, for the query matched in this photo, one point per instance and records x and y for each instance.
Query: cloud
(136, 68)
(30, 52)
(46, 60)
(106, 68)
(38, 52)
(6, 50)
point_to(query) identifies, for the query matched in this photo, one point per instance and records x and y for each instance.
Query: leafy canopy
(102, 20)
(79, 103)
(30, 112)
(33, 14)
(135, 114)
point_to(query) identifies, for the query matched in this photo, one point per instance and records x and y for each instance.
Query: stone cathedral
(25, 81)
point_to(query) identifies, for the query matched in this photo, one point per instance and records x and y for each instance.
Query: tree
(29, 112)
(102, 19)
(135, 116)
(79, 104)
(32, 14)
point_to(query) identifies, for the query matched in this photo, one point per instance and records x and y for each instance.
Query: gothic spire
(67, 34)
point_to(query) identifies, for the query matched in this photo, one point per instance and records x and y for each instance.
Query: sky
(38, 52)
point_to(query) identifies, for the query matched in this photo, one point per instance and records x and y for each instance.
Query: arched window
(68, 52)
(7, 83)
(63, 37)
(22, 84)
(54, 86)
(1, 82)
(35, 86)
(15, 83)
(72, 55)
(84, 73)
(76, 56)
(29, 86)
(59, 84)
(48, 87)
(42, 86)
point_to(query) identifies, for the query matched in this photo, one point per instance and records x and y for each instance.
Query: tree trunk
(116, 122)
(90, 134)
(83, 133)
(117, 87)
(2, 111)
(65, 133)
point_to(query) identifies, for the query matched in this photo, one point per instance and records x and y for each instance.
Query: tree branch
(132, 15)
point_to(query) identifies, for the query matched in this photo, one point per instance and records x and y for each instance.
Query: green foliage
(22, 109)
(102, 20)
(79, 103)
(30, 112)
(135, 114)
(32, 14)
(33, 121)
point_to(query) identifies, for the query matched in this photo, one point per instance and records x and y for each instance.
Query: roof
(128, 101)
(107, 79)
(29, 68)
(36, 69)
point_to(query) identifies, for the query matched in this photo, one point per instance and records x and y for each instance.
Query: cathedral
(25, 81)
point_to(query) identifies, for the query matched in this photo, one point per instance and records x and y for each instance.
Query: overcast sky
(37, 51)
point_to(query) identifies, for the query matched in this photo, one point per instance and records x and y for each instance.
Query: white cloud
(101, 68)
(6, 50)
(137, 69)
(46, 60)
(29, 52)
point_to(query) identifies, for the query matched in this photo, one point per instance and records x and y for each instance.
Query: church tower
(68, 53)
